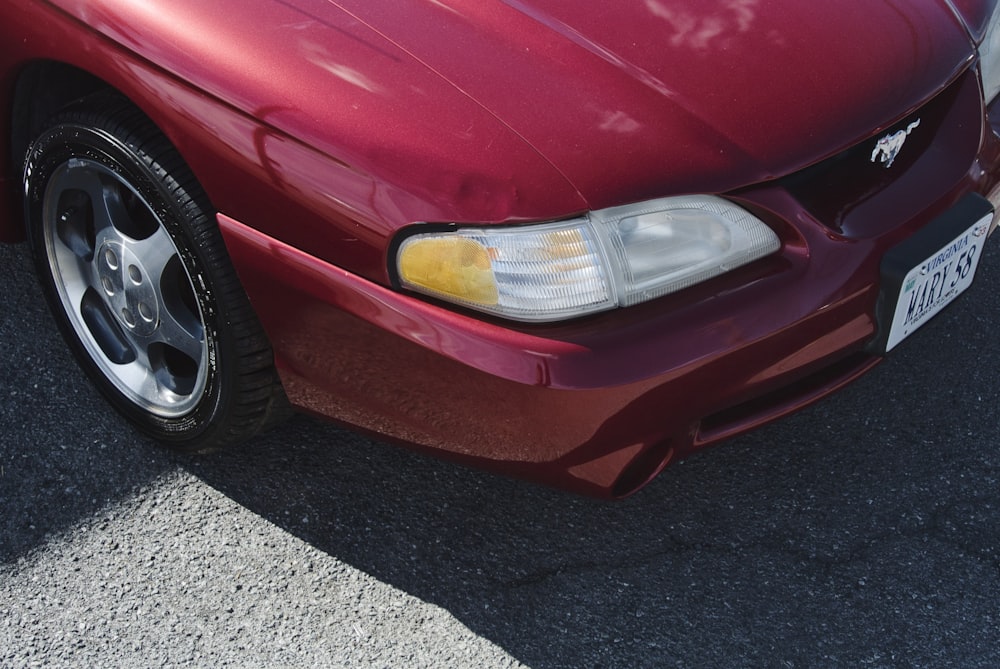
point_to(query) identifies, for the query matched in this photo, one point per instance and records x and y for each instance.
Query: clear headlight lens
(614, 257)
(989, 57)
(662, 246)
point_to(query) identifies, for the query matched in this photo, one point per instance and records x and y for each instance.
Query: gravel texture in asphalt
(861, 532)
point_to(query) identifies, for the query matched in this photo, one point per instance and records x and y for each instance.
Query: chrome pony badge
(887, 148)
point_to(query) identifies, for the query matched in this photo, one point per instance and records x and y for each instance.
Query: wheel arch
(40, 90)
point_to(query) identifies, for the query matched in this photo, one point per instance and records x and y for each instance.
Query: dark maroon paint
(320, 129)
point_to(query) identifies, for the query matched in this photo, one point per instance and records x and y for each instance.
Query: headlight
(989, 57)
(609, 258)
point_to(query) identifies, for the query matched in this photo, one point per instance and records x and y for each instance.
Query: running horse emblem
(887, 148)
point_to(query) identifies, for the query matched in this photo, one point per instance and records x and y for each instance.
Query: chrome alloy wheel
(124, 288)
(139, 280)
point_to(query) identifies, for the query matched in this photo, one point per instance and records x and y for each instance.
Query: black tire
(138, 279)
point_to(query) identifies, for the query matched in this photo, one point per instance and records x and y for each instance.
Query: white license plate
(933, 283)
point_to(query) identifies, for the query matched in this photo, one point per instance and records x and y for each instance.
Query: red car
(564, 239)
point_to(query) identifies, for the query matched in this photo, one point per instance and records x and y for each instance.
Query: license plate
(933, 282)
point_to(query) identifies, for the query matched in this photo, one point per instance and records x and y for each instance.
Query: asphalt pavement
(862, 532)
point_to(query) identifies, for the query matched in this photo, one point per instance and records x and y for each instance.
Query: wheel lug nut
(108, 286)
(134, 274)
(111, 259)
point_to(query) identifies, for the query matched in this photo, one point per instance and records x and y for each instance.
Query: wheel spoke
(104, 195)
(76, 273)
(179, 324)
(180, 336)
(155, 375)
(153, 252)
(139, 377)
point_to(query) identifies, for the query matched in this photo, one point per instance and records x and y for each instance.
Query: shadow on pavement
(862, 531)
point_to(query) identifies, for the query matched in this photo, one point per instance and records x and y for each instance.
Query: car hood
(646, 97)
(511, 109)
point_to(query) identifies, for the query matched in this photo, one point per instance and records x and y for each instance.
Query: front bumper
(601, 404)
